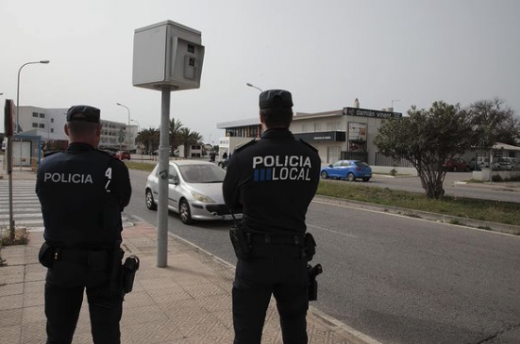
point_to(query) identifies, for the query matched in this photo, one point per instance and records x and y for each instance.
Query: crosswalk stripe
(26, 205)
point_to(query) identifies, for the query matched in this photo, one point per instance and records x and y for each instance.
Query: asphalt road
(396, 279)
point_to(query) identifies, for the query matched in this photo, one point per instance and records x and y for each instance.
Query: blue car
(347, 169)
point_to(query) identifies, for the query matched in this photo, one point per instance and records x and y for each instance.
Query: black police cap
(83, 113)
(272, 99)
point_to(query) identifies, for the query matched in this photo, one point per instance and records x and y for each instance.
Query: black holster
(241, 241)
(130, 268)
(313, 271)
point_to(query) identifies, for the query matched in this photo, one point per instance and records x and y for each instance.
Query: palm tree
(149, 137)
(174, 130)
(188, 137)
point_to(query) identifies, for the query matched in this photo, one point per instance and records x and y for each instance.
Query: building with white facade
(337, 134)
(48, 125)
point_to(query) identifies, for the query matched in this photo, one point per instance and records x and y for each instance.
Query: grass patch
(484, 210)
(19, 239)
(141, 166)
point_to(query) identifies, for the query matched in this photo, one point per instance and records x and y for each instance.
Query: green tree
(427, 138)
(188, 137)
(493, 122)
(150, 138)
(174, 129)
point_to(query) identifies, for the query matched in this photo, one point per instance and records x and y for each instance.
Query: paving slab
(188, 302)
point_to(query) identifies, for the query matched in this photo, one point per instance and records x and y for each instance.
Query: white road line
(22, 209)
(332, 231)
(20, 216)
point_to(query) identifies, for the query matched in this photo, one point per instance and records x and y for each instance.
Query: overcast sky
(327, 53)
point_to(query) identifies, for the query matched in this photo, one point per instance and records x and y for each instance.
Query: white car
(194, 191)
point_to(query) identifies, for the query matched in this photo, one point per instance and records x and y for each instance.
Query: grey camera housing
(167, 54)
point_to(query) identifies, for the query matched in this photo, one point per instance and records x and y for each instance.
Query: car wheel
(150, 203)
(185, 212)
(351, 177)
(366, 179)
(324, 175)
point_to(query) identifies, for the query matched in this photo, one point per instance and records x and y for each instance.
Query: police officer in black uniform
(274, 180)
(82, 192)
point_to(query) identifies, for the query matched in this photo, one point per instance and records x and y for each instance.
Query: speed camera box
(167, 54)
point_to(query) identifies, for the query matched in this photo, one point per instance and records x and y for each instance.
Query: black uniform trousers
(278, 270)
(67, 279)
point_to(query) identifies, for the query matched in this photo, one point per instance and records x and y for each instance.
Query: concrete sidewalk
(186, 303)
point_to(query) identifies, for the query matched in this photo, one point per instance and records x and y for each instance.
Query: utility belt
(49, 254)
(244, 242)
(296, 240)
(122, 275)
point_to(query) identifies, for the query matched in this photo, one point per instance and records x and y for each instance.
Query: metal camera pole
(162, 207)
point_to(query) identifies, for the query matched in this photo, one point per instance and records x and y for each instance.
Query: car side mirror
(330, 165)
(173, 180)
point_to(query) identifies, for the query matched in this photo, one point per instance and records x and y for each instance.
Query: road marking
(332, 231)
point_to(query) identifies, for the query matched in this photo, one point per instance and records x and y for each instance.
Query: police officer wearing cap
(274, 179)
(82, 192)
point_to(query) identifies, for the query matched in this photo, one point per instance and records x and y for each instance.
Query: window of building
(52, 130)
(42, 125)
(35, 125)
(35, 114)
(332, 126)
(317, 127)
(42, 115)
(52, 120)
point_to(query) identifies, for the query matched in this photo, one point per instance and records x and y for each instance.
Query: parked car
(122, 155)
(506, 164)
(194, 191)
(456, 165)
(347, 169)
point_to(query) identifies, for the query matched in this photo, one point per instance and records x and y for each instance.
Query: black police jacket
(82, 192)
(274, 179)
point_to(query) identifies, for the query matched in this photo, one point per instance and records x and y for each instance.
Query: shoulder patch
(308, 144)
(244, 145)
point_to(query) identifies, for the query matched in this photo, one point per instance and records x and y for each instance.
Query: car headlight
(201, 198)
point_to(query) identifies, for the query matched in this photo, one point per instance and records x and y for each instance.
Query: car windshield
(207, 173)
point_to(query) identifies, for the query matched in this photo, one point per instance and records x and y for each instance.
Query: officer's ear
(66, 129)
(262, 121)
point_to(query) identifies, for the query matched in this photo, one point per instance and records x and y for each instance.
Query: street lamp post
(18, 91)
(127, 131)
(253, 86)
(138, 125)
(17, 125)
(138, 130)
